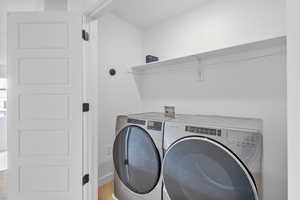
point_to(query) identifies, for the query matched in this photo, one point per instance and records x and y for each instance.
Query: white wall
(81, 5)
(251, 89)
(215, 25)
(120, 47)
(293, 72)
(2, 34)
(254, 88)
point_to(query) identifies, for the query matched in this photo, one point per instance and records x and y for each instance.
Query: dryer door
(197, 168)
(136, 159)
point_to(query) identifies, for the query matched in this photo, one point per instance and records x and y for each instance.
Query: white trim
(114, 197)
(105, 179)
(220, 146)
(3, 71)
(97, 10)
(90, 138)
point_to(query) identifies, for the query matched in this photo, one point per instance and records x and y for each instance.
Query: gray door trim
(245, 170)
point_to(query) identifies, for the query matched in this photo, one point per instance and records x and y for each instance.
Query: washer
(212, 158)
(137, 155)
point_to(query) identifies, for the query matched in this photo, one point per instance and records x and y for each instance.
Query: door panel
(199, 168)
(44, 106)
(45, 35)
(137, 159)
(49, 71)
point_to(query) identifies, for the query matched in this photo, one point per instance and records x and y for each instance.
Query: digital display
(136, 121)
(201, 130)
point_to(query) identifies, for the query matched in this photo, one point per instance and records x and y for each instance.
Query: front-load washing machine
(137, 155)
(212, 158)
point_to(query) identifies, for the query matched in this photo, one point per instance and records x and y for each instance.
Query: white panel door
(45, 106)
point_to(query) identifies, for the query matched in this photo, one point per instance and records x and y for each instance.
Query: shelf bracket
(200, 69)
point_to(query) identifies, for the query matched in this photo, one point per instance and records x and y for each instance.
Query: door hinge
(85, 179)
(126, 162)
(85, 107)
(85, 35)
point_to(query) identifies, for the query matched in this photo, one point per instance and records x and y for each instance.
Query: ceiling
(20, 5)
(145, 13)
(142, 13)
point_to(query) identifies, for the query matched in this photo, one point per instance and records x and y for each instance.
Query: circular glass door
(136, 159)
(198, 168)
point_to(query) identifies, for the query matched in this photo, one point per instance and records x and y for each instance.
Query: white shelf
(232, 54)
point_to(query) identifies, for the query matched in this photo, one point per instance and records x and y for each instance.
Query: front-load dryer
(137, 155)
(212, 158)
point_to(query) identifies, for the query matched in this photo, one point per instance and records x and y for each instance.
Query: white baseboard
(114, 197)
(105, 179)
(105, 172)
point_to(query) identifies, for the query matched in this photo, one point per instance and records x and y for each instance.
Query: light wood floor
(105, 192)
(3, 185)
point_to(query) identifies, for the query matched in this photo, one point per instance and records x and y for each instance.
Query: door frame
(91, 94)
(90, 119)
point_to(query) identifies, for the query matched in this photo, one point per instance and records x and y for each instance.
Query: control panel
(136, 121)
(154, 125)
(204, 131)
(151, 125)
(244, 144)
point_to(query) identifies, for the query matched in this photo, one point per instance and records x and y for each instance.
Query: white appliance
(212, 158)
(137, 155)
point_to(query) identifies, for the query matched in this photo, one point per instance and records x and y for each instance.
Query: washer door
(136, 159)
(196, 168)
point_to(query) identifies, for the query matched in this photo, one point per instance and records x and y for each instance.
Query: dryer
(212, 158)
(137, 155)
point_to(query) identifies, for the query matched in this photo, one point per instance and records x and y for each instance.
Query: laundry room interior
(244, 83)
(210, 58)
